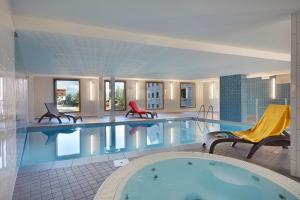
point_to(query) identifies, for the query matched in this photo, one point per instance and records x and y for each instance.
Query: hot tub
(196, 176)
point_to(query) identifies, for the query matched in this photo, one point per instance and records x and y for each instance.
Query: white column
(112, 97)
(295, 98)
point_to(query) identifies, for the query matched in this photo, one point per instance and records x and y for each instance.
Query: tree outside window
(120, 95)
(67, 95)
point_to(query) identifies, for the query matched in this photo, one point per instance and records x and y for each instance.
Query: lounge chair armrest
(285, 133)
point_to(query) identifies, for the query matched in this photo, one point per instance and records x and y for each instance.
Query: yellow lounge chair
(269, 131)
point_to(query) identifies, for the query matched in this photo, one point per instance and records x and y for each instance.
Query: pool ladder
(205, 113)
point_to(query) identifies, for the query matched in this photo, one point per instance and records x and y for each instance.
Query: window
(67, 95)
(120, 96)
(155, 95)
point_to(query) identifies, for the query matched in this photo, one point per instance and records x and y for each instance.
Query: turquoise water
(53, 144)
(200, 179)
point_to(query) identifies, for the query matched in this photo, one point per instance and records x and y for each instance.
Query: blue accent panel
(283, 91)
(257, 88)
(244, 98)
(238, 96)
(231, 90)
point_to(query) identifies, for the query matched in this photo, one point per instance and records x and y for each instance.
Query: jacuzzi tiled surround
(295, 95)
(113, 185)
(41, 182)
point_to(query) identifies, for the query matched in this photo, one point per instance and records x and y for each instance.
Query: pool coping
(112, 187)
(140, 121)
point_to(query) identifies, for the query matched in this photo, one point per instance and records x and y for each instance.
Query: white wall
(207, 96)
(8, 167)
(41, 90)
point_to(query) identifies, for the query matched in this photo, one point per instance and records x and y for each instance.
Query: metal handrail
(212, 111)
(202, 109)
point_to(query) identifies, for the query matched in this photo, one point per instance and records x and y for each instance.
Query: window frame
(122, 81)
(55, 88)
(163, 94)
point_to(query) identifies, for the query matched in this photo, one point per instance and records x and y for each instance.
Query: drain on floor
(121, 163)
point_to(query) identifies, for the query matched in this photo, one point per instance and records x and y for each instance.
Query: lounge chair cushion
(273, 122)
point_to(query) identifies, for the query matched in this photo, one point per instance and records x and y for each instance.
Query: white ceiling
(262, 24)
(258, 24)
(48, 53)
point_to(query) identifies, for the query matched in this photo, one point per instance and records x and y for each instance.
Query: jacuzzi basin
(196, 176)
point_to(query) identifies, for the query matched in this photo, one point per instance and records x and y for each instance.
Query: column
(295, 98)
(100, 104)
(233, 98)
(112, 116)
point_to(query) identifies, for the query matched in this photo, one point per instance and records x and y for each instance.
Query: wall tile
(8, 167)
(295, 85)
(231, 98)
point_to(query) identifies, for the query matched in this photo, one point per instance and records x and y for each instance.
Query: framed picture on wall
(187, 95)
(154, 95)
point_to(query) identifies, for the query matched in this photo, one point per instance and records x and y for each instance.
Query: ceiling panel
(49, 53)
(261, 24)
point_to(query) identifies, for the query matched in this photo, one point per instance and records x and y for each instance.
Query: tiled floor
(83, 181)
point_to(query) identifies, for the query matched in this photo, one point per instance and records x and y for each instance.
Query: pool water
(53, 144)
(200, 179)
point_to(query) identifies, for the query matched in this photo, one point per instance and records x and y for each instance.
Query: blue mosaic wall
(283, 91)
(231, 90)
(238, 96)
(257, 88)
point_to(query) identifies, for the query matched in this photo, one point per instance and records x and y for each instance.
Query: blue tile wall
(257, 88)
(238, 96)
(283, 92)
(231, 90)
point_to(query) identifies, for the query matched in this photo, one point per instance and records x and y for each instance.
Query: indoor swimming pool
(43, 145)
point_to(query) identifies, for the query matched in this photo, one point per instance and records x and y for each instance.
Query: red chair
(136, 110)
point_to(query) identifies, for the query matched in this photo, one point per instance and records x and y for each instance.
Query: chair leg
(233, 144)
(127, 113)
(252, 151)
(212, 146)
(74, 119)
(140, 115)
(58, 119)
(42, 117)
(214, 143)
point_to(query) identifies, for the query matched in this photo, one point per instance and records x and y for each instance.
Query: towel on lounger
(274, 121)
